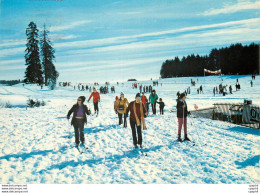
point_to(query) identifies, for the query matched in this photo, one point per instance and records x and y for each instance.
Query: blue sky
(110, 40)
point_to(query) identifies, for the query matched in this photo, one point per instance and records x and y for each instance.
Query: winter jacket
(153, 98)
(138, 113)
(161, 104)
(74, 110)
(144, 99)
(180, 103)
(120, 102)
(96, 97)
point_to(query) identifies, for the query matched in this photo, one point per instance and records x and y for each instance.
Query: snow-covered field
(35, 148)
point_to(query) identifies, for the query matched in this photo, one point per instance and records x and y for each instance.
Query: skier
(116, 99)
(79, 111)
(201, 90)
(230, 89)
(161, 103)
(178, 94)
(145, 102)
(96, 99)
(182, 113)
(137, 115)
(153, 99)
(251, 83)
(120, 107)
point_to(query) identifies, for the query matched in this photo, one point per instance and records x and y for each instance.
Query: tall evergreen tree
(47, 53)
(33, 73)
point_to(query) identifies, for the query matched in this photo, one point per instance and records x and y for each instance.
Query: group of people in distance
(138, 112)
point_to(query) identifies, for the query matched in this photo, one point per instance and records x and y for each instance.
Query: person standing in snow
(79, 111)
(120, 107)
(161, 105)
(178, 94)
(182, 112)
(153, 99)
(145, 102)
(115, 102)
(251, 83)
(137, 115)
(96, 99)
(230, 89)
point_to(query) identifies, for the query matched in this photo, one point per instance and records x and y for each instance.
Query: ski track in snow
(35, 147)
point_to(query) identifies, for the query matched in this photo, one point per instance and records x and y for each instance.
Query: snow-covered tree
(33, 73)
(47, 54)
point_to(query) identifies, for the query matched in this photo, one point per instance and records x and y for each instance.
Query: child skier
(161, 105)
(96, 99)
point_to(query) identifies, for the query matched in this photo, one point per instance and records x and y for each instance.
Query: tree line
(235, 59)
(39, 57)
(10, 82)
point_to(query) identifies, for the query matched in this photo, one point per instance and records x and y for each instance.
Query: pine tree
(47, 53)
(33, 73)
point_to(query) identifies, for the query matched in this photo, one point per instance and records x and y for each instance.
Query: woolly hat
(137, 95)
(116, 98)
(82, 98)
(182, 95)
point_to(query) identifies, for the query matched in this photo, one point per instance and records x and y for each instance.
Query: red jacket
(144, 99)
(138, 113)
(96, 97)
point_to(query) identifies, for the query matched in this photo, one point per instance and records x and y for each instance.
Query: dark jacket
(161, 104)
(180, 103)
(74, 110)
(138, 113)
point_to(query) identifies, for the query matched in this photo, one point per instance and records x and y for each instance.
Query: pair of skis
(82, 148)
(141, 151)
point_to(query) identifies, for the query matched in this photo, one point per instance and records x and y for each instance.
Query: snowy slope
(34, 144)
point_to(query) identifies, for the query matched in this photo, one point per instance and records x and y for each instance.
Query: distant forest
(235, 59)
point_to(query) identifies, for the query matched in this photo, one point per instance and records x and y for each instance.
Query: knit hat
(82, 98)
(116, 98)
(182, 95)
(137, 95)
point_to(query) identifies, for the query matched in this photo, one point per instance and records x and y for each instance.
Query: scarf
(142, 116)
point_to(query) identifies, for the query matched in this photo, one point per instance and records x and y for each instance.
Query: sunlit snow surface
(35, 148)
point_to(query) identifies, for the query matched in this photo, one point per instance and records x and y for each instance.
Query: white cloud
(128, 39)
(8, 62)
(69, 26)
(12, 51)
(228, 8)
(236, 34)
(14, 42)
(124, 43)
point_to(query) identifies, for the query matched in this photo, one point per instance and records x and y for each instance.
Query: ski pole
(198, 134)
(69, 129)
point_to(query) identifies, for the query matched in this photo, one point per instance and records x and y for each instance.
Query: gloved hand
(68, 117)
(189, 113)
(116, 111)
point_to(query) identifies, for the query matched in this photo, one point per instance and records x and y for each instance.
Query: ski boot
(186, 138)
(179, 138)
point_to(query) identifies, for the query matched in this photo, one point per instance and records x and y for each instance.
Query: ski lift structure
(245, 114)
